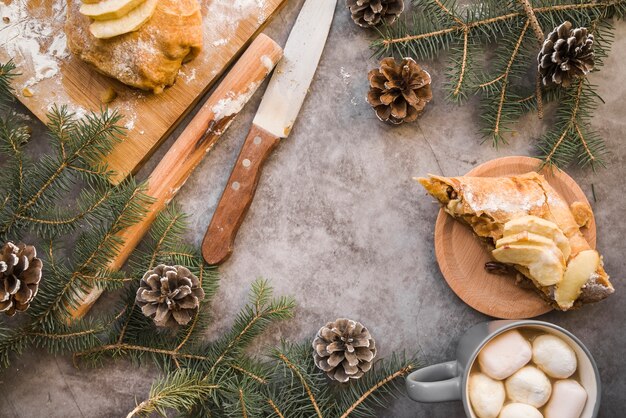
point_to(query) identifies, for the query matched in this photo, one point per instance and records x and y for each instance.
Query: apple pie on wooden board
(527, 224)
(149, 56)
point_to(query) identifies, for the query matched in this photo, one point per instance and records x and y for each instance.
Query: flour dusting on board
(31, 40)
(225, 15)
(233, 103)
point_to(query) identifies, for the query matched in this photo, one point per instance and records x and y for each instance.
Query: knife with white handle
(273, 121)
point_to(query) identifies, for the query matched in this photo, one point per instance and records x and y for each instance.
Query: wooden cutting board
(462, 257)
(31, 33)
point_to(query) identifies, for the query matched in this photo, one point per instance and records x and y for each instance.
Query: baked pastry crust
(487, 203)
(148, 58)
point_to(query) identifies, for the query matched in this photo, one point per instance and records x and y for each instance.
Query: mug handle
(438, 383)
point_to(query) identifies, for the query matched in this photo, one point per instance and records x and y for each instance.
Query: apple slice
(91, 1)
(544, 263)
(109, 9)
(105, 29)
(578, 272)
(539, 226)
(524, 237)
(528, 238)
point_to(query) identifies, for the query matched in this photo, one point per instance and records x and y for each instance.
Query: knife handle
(235, 201)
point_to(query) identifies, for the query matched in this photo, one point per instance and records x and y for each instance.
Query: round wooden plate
(462, 257)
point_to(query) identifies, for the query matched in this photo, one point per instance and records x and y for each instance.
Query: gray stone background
(339, 223)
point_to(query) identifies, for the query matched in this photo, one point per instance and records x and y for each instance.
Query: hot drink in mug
(514, 369)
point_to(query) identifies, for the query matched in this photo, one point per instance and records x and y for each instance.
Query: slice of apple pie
(527, 224)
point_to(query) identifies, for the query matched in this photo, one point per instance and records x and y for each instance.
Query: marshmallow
(530, 386)
(520, 410)
(486, 395)
(567, 401)
(554, 356)
(504, 355)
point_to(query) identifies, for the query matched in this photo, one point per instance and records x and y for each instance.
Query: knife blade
(273, 121)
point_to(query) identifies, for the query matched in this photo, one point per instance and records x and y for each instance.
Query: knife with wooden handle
(200, 135)
(274, 119)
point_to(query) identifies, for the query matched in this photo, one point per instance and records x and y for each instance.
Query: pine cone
(344, 349)
(399, 90)
(169, 295)
(565, 55)
(367, 13)
(20, 273)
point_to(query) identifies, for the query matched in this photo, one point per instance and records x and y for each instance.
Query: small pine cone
(566, 54)
(399, 91)
(344, 349)
(368, 13)
(169, 295)
(20, 273)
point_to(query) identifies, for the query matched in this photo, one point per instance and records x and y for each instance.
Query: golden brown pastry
(148, 58)
(527, 224)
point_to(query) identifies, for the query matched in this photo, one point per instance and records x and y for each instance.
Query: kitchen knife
(274, 119)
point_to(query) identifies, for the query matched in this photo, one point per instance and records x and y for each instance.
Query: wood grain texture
(461, 256)
(228, 27)
(194, 142)
(231, 210)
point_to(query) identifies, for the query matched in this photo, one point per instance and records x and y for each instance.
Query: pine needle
(437, 26)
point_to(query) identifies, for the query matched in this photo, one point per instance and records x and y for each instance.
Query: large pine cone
(367, 13)
(20, 273)
(399, 91)
(344, 349)
(566, 54)
(169, 295)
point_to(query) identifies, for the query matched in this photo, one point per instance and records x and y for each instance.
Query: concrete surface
(338, 223)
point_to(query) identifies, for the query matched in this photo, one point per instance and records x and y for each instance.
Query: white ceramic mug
(448, 381)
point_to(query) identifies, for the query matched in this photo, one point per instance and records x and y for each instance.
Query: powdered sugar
(493, 202)
(32, 41)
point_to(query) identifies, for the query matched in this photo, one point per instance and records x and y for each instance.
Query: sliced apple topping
(131, 22)
(544, 263)
(579, 270)
(109, 9)
(539, 226)
(526, 238)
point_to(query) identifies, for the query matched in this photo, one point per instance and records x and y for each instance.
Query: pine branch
(204, 378)
(376, 388)
(7, 74)
(12, 342)
(300, 376)
(242, 399)
(35, 189)
(251, 322)
(179, 391)
(297, 387)
(440, 25)
(275, 409)
(93, 250)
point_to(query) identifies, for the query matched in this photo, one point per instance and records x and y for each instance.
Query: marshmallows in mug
(504, 355)
(552, 355)
(520, 379)
(486, 395)
(529, 385)
(520, 410)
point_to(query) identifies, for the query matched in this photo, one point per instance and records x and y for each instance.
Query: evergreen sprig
(34, 196)
(181, 391)
(509, 87)
(199, 377)
(235, 384)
